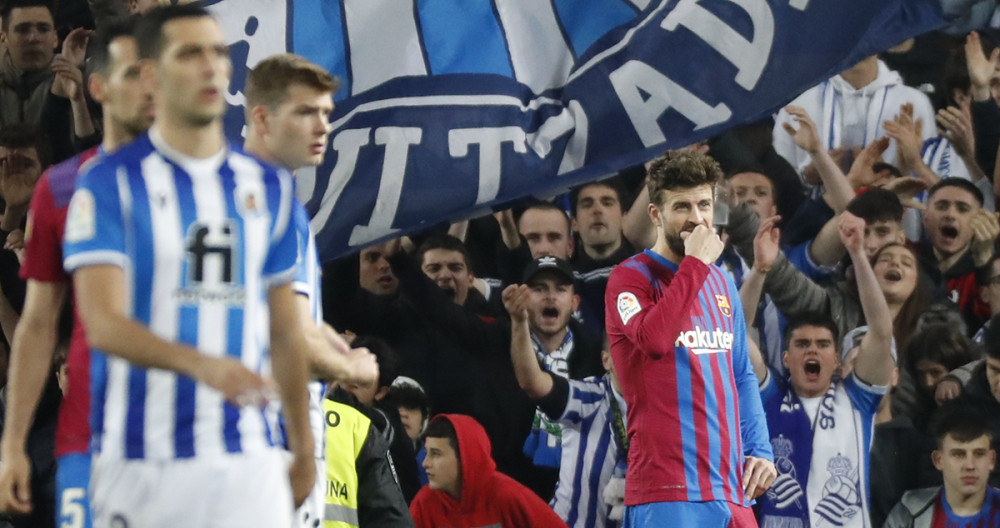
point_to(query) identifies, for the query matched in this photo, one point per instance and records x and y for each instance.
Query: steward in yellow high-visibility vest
(361, 488)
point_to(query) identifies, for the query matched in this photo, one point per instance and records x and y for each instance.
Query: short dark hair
(441, 427)
(938, 343)
(753, 168)
(680, 169)
(743, 168)
(812, 319)
(411, 397)
(21, 136)
(388, 361)
(6, 8)
(961, 183)
(991, 339)
(98, 54)
(880, 166)
(876, 205)
(445, 242)
(149, 33)
(610, 183)
(541, 205)
(962, 422)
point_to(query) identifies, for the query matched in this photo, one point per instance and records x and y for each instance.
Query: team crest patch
(723, 303)
(249, 201)
(81, 223)
(628, 306)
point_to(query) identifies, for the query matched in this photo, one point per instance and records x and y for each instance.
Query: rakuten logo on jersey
(701, 341)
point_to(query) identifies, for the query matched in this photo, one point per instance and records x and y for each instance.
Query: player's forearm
(100, 302)
(530, 376)
(289, 367)
(290, 372)
(30, 364)
(326, 364)
(120, 336)
(323, 361)
(753, 421)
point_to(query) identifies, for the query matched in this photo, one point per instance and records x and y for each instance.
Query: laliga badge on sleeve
(81, 223)
(628, 306)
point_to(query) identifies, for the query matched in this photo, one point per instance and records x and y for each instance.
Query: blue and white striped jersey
(589, 452)
(201, 241)
(307, 283)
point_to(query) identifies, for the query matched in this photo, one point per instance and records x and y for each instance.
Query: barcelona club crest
(723, 302)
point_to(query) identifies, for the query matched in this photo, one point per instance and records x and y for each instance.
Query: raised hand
(852, 233)
(907, 133)
(981, 69)
(955, 125)
(906, 190)
(74, 46)
(703, 244)
(861, 173)
(985, 229)
(765, 243)
(68, 81)
(515, 299)
(806, 137)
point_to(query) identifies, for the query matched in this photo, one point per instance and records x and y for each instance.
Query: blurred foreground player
(182, 252)
(289, 101)
(113, 82)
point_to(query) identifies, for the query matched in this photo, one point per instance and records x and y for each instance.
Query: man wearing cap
(544, 328)
(574, 416)
(555, 335)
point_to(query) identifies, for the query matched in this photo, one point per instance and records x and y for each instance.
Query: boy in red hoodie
(465, 489)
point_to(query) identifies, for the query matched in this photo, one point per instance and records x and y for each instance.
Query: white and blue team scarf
(544, 442)
(822, 464)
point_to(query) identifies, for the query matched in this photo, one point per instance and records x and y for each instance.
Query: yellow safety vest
(346, 431)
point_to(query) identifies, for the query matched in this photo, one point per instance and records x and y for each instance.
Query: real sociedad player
(113, 81)
(698, 442)
(289, 101)
(182, 255)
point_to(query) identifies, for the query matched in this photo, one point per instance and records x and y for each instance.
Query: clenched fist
(703, 244)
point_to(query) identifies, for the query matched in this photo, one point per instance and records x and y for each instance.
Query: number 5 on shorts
(73, 509)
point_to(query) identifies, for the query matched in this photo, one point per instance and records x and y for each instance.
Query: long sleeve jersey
(678, 340)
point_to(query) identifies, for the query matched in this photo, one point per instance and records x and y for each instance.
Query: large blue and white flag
(451, 107)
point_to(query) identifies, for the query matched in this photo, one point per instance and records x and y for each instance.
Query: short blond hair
(267, 84)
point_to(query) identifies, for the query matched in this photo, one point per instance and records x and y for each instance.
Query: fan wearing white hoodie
(849, 110)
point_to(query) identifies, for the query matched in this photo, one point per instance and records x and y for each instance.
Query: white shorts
(310, 514)
(237, 491)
